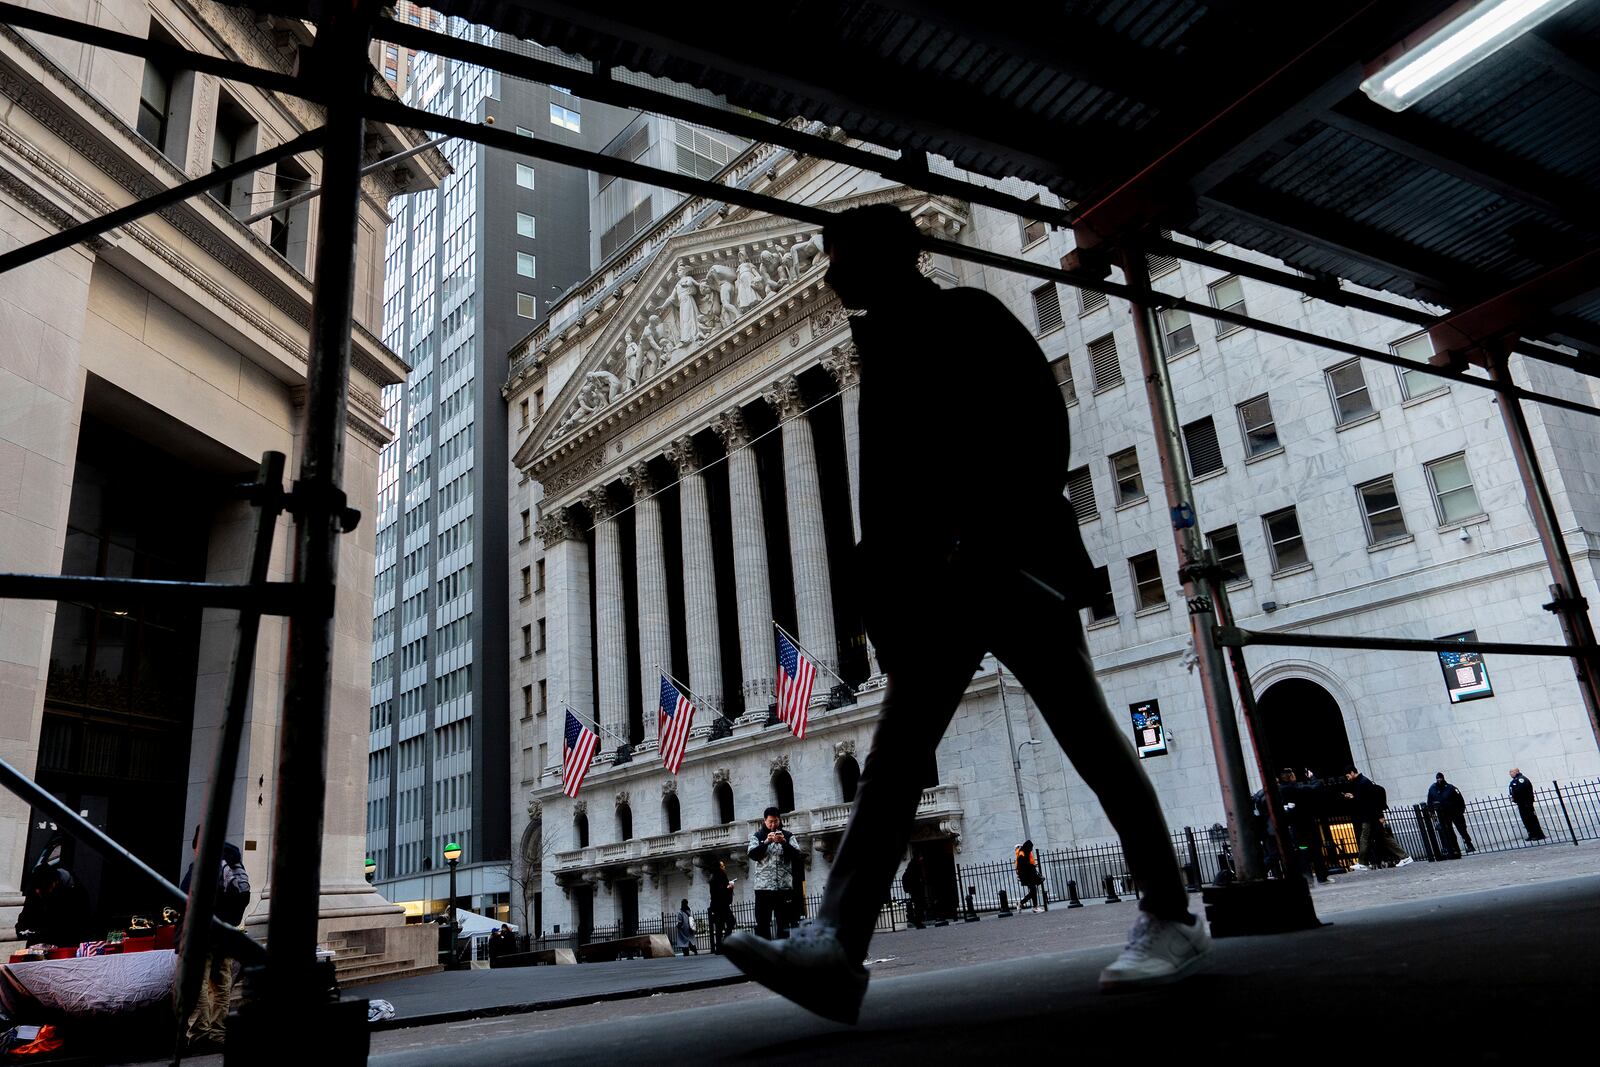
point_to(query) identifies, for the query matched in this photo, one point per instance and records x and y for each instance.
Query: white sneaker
(1405, 861)
(809, 967)
(1158, 952)
(1359, 867)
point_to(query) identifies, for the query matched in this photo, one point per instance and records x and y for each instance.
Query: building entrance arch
(1303, 727)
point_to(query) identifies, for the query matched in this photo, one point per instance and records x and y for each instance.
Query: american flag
(577, 752)
(677, 715)
(796, 673)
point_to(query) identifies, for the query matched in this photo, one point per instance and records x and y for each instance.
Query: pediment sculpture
(696, 307)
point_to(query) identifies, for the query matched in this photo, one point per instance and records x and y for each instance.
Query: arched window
(624, 823)
(580, 829)
(669, 813)
(722, 799)
(782, 790)
(849, 772)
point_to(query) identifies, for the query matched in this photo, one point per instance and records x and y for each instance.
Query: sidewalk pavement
(1492, 976)
(453, 996)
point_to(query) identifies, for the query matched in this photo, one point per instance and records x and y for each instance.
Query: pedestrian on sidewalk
(1377, 847)
(1450, 808)
(915, 884)
(1028, 875)
(683, 935)
(501, 943)
(945, 586)
(206, 1026)
(719, 913)
(773, 851)
(1522, 797)
(1302, 804)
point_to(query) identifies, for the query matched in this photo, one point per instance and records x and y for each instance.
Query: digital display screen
(1149, 736)
(1466, 676)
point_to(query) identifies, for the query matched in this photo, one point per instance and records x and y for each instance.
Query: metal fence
(1566, 813)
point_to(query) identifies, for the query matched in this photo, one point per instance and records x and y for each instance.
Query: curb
(465, 1014)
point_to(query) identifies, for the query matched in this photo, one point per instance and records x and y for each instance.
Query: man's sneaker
(1359, 867)
(809, 967)
(1158, 952)
(1405, 861)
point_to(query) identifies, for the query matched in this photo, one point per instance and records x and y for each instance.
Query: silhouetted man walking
(951, 579)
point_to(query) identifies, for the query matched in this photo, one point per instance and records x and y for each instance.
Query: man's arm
(758, 846)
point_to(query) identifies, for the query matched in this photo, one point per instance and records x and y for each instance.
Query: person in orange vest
(1028, 875)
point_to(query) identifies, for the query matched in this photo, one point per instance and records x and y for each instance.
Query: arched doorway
(1302, 728)
(722, 800)
(849, 772)
(782, 790)
(532, 877)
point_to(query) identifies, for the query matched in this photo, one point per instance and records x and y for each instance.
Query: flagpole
(821, 663)
(587, 721)
(697, 701)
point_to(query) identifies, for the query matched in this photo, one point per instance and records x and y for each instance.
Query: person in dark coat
(1522, 797)
(915, 883)
(945, 584)
(501, 943)
(1028, 875)
(55, 910)
(719, 911)
(1302, 802)
(1450, 808)
(206, 1026)
(1377, 846)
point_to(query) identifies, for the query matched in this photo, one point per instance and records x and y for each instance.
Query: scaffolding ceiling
(1232, 120)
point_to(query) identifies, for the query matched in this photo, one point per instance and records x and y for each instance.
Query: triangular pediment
(700, 286)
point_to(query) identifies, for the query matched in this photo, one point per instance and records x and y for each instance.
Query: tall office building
(469, 268)
(396, 61)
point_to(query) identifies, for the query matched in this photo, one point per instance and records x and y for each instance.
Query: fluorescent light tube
(1413, 70)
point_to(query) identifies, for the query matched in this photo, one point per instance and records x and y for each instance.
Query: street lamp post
(1017, 747)
(452, 856)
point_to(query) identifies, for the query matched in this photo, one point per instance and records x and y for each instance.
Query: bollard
(1111, 891)
(1072, 894)
(1192, 868)
(1425, 829)
(971, 915)
(1005, 905)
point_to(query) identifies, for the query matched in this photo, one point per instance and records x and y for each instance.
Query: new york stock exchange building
(684, 449)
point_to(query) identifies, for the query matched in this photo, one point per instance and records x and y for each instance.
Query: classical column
(650, 571)
(611, 634)
(808, 540)
(757, 656)
(570, 655)
(699, 582)
(845, 366)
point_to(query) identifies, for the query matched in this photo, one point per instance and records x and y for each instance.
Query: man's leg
(1053, 664)
(1447, 837)
(764, 913)
(1460, 822)
(921, 699)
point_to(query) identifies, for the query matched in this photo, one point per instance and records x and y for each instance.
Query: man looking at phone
(772, 856)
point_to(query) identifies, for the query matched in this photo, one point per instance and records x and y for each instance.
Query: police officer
(1522, 797)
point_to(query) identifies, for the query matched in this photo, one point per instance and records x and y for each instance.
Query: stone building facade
(144, 374)
(691, 479)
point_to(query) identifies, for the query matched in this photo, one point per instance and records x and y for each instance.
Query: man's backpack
(233, 892)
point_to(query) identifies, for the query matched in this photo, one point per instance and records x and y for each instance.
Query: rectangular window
(1283, 539)
(1080, 493)
(289, 231)
(1101, 604)
(525, 305)
(1032, 229)
(1348, 387)
(1162, 264)
(525, 264)
(1200, 440)
(538, 402)
(538, 570)
(541, 635)
(233, 140)
(527, 525)
(524, 175)
(526, 225)
(1416, 348)
(1230, 554)
(1046, 309)
(155, 99)
(1103, 363)
(544, 697)
(1062, 368)
(1125, 473)
(523, 131)
(527, 582)
(527, 641)
(524, 409)
(1380, 507)
(1454, 498)
(1146, 581)
(1228, 295)
(1089, 300)
(1255, 422)
(1178, 331)
(566, 118)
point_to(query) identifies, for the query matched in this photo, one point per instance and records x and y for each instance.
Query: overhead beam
(1474, 162)
(910, 169)
(1480, 333)
(1541, 49)
(171, 55)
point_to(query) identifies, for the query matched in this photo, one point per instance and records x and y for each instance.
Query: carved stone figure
(723, 277)
(748, 284)
(773, 270)
(684, 294)
(607, 387)
(657, 345)
(632, 360)
(804, 255)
